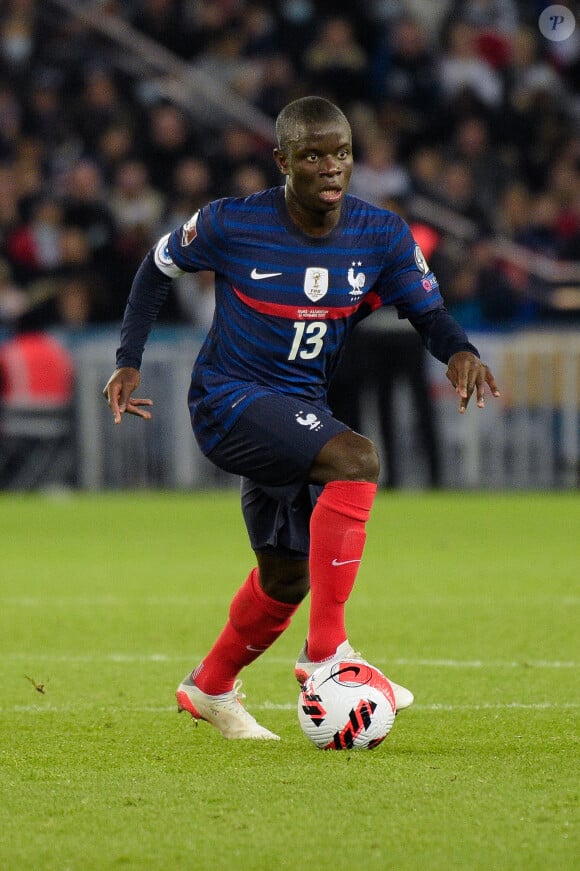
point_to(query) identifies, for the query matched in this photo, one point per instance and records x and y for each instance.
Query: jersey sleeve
(442, 335)
(406, 280)
(196, 244)
(148, 293)
(189, 248)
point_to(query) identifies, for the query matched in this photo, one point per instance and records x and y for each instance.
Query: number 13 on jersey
(308, 339)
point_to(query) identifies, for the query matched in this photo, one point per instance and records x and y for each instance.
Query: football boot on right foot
(224, 711)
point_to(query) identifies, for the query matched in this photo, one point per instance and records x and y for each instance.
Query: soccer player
(296, 267)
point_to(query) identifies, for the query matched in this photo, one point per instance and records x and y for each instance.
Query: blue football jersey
(286, 302)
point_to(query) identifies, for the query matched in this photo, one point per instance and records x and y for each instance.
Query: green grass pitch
(106, 601)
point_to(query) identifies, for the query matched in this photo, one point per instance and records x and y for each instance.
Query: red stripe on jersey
(298, 312)
(373, 300)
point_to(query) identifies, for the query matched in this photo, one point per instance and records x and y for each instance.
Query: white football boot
(225, 711)
(304, 668)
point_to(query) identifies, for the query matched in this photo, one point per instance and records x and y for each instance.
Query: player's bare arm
(467, 373)
(118, 393)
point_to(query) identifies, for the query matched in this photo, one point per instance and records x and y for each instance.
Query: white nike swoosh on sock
(343, 562)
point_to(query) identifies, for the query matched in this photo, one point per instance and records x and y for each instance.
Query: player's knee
(361, 463)
(291, 589)
(347, 456)
(282, 579)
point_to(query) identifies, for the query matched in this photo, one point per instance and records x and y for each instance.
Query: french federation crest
(315, 282)
(356, 281)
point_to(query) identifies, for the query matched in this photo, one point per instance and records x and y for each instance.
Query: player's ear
(281, 160)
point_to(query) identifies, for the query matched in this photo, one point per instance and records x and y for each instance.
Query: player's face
(318, 167)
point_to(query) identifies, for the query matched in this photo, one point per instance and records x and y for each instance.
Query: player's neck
(313, 223)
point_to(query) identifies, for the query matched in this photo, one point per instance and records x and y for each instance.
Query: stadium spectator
(115, 144)
(458, 193)
(249, 178)
(10, 204)
(204, 22)
(296, 21)
(512, 210)
(18, 38)
(46, 119)
(136, 207)
(527, 71)
(471, 144)
(461, 71)
(86, 206)
(52, 296)
(540, 231)
(99, 105)
(495, 22)
(335, 63)
(166, 140)
(191, 188)
(405, 75)
(503, 292)
(564, 184)
(260, 32)
(461, 296)
(426, 170)
(379, 176)
(224, 61)
(13, 300)
(11, 120)
(238, 148)
(164, 22)
(498, 16)
(33, 246)
(279, 84)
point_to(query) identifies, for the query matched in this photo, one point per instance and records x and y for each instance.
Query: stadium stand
(119, 117)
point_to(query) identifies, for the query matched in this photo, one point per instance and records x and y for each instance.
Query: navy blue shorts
(272, 447)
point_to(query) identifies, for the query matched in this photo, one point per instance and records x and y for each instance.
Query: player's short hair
(302, 113)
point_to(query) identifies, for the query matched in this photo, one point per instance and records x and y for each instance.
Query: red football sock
(337, 538)
(255, 622)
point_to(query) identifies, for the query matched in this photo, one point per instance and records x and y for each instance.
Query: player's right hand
(118, 393)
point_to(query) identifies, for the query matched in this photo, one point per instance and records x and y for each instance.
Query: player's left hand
(467, 373)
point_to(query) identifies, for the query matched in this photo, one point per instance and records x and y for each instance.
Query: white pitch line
(49, 708)
(477, 663)
(532, 706)
(107, 601)
(197, 601)
(43, 657)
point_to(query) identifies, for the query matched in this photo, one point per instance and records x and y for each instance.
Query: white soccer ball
(346, 704)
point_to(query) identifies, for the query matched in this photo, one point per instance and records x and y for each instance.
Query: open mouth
(331, 195)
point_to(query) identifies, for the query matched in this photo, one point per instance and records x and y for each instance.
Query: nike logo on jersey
(258, 275)
(344, 562)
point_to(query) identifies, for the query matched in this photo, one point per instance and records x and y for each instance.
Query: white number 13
(311, 335)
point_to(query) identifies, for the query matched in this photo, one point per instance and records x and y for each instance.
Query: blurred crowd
(465, 120)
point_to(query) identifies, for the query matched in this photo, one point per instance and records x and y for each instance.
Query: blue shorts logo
(311, 421)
